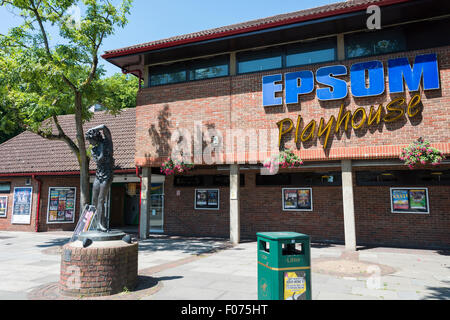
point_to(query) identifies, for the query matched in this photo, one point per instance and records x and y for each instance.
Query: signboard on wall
(3, 206)
(61, 205)
(297, 199)
(22, 201)
(87, 222)
(207, 199)
(409, 200)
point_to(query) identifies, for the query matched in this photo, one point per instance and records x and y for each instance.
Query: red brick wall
(261, 210)
(16, 182)
(236, 102)
(54, 181)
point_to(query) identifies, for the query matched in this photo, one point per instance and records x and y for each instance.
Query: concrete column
(349, 210)
(340, 47)
(145, 202)
(235, 224)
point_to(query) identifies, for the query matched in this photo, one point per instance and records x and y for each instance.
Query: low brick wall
(104, 268)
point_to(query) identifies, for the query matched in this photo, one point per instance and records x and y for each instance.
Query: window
(374, 42)
(5, 187)
(311, 52)
(403, 178)
(218, 180)
(287, 56)
(189, 71)
(282, 179)
(254, 61)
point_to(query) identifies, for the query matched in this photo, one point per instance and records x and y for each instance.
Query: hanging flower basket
(286, 159)
(171, 166)
(421, 153)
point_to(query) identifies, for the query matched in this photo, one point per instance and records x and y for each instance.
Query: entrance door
(157, 208)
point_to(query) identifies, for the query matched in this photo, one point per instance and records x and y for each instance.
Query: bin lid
(282, 235)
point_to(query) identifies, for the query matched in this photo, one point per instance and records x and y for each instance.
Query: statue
(102, 153)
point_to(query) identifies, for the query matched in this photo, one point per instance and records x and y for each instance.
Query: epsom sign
(371, 72)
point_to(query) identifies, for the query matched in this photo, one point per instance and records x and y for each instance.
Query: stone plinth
(103, 268)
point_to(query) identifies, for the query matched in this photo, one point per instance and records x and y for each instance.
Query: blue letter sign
(425, 68)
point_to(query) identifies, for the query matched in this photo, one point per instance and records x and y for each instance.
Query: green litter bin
(284, 266)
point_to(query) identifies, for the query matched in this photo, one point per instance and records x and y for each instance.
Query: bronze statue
(102, 153)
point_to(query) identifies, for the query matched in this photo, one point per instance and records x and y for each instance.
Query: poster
(61, 205)
(409, 200)
(400, 199)
(22, 200)
(290, 199)
(294, 286)
(297, 199)
(86, 222)
(3, 206)
(417, 199)
(207, 199)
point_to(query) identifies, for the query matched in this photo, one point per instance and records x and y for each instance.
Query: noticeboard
(3, 206)
(22, 200)
(206, 199)
(61, 205)
(409, 200)
(297, 199)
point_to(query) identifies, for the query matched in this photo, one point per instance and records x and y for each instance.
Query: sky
(151, 20)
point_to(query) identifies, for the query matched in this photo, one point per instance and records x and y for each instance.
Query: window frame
(5, 183)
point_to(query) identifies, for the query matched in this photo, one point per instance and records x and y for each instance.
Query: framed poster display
(206, 199)
(409, 200)
(3, 206)
(61, 204)
(22, 201)
(297, 199)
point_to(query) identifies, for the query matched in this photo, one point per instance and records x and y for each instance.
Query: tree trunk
(83, 158)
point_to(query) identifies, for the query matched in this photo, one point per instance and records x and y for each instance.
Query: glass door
(157, 208)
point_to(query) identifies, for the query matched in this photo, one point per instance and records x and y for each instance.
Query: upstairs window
(291, 55)
(5, 187)
(371, 43)
(189, 71)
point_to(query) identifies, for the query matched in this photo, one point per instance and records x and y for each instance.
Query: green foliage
(40, 79)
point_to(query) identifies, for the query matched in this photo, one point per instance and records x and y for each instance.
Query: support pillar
(349, 210)
(235, 223)
(146, 182)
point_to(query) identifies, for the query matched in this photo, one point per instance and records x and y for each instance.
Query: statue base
(102, 236)
(104, 268)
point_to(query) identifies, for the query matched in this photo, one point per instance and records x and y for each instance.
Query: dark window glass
(403, 178)
(188, 181)
(427, 34)
(374, 42)
(311, 52)
(282, 179)
(211, 68)
(5, 187)
(253, 61)
(167, 74)
(224, 180)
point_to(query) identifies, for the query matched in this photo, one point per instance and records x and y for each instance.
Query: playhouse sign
(366, 79)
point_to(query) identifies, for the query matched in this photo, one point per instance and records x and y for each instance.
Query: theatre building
(321, 84)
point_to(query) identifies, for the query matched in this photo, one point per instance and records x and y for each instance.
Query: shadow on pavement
(440, 293)
(192, 245)
(54, 243)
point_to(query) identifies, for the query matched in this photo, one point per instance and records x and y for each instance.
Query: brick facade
(236, 102)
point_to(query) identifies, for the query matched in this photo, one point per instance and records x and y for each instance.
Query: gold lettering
(360, 109)
(341, 118)
(415, 100)
(297, 128)
(377, 116)
(391, 110)
(281, 131)
(327, 129)
(311, 125)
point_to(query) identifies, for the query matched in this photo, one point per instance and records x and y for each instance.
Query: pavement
(191, 268)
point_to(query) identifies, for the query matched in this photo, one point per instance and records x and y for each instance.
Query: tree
(42, 80)
(118, 92)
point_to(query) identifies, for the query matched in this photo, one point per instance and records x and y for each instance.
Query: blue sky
(153, 20)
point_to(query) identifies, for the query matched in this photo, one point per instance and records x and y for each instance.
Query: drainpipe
(38, 201)
(140, 198)
(140, 75)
